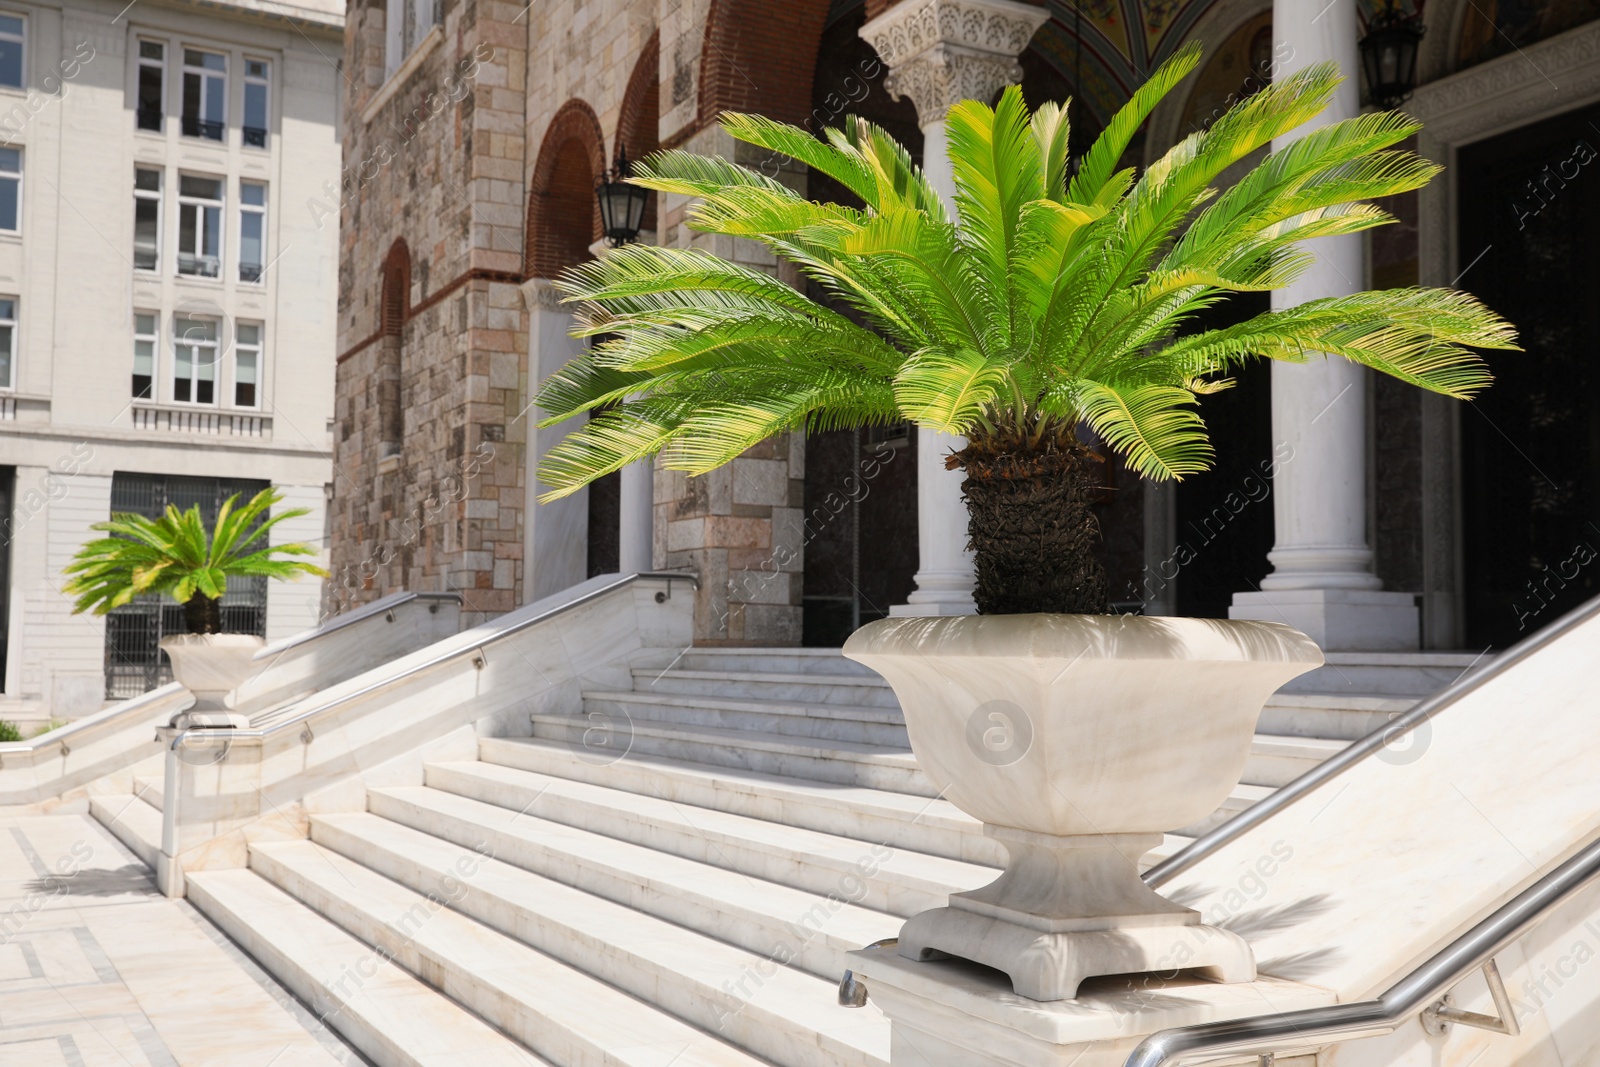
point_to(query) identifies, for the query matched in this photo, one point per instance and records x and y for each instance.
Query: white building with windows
(168, 269)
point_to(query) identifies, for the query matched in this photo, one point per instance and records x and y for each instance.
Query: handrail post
(169, 874)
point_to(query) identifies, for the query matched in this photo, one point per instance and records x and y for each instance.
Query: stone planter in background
(1079, 740)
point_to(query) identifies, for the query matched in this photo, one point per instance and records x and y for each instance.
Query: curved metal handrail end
(1315, 1027)
(1324, 772)
(61, 735)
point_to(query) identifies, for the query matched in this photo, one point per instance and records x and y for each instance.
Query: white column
(635, 539)
(1322, 581)
(940, 52)
(945, 563)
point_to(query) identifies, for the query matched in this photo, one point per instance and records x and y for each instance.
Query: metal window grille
(134, 661)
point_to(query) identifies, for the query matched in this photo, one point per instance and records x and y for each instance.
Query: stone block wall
(741, 527)
(443, 157)
(433, 157)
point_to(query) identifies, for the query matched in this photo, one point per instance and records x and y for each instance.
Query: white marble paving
(97, 968)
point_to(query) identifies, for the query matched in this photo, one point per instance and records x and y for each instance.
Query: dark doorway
(605, 525)
(860, 529)
(860, 522)
(1224, 516)
(1530, 445)
(605, 512)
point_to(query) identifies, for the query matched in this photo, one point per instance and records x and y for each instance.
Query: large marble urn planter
(1079, 740)
(211, 666)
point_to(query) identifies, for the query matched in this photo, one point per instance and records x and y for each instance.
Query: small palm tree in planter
(177, 556)
(1054, 299)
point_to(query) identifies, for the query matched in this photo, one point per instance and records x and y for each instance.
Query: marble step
(560, 1012)
(873, 875)
(842, 762)
(1410, 675)
(1329, 716)
(747, 998)
(813, 687)
(392, 1017)
(814, 931)
(148, 788)
(922, 824)
(1242, 797)
(787, 718)
(829, 661)
(132, 821)
(1278, 759)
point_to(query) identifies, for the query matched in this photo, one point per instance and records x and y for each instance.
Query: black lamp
(1389, 55)
(621, 205)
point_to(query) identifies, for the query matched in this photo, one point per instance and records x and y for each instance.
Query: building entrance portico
(1362, 532)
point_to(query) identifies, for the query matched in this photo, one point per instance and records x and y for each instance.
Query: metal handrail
(64, 734)
(67, 734)
(366, 611)
(476, 649)
(1310, 1028)
(1329, 769)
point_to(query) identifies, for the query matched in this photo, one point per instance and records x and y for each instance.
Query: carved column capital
(940, 52)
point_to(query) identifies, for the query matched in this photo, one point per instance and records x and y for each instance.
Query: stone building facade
(476, 131)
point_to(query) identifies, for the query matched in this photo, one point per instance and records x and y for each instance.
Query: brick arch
(639, 126)
(563, 215)
(758, 56)
(394, 304)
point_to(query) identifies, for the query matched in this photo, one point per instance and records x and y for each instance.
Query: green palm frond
(1153, 426)
(949, 390)
(1043, 298)
(1098, 165)
(846, 168)
(177, 556)
(997, 167)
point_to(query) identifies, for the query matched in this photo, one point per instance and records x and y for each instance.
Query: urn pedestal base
(1074, 739)
(1069, 908)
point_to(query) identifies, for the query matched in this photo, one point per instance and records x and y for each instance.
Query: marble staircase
(673, 876)
(811, 713)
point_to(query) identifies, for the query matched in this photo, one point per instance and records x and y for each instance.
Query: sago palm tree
(1055, 298)
(176, 556)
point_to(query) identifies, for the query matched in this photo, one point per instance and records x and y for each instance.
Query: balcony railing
(200, 266)
(198, 127)
(255, 137)
(251, 272)
(150, 118)
(147, 416)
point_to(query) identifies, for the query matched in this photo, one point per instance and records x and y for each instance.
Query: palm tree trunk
(1032, 524)
(202, 614)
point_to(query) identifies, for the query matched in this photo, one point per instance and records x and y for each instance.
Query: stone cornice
(941, 52)
(1554, 75)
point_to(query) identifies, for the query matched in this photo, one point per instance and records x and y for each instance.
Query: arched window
(394, 307)
(563, 214)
